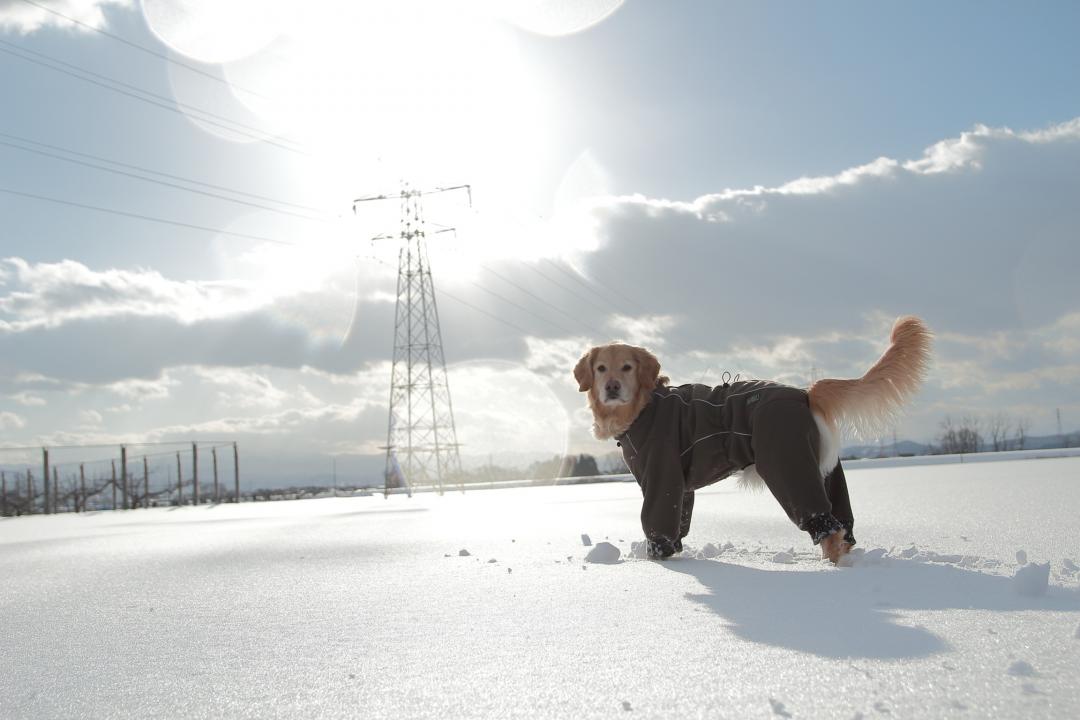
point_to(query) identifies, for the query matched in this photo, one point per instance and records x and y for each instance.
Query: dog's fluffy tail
(867, 406)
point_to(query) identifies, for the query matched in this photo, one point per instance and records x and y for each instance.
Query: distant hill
(909, 447)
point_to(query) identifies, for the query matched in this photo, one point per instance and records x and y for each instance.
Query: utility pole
(421, 439)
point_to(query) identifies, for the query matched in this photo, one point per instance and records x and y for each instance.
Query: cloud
(977, 235)
(24, 18)
(11, 421)
(47, 295)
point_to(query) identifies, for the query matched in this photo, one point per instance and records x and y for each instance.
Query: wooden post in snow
(236, 470)
(29, 492)
(145, 483)
(217, 488)
(82, 485)
(55, 490)
(113, 484)
(195, 469)
(124, 473)
(45, 474)
(179, 482)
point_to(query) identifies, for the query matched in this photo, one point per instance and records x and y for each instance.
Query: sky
(747, 187)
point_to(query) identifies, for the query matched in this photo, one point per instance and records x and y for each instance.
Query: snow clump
(464, 553)
(605, 553)
(586, 540)
(786, 557)
(1021, 557)
(710, 551)
(1021, 668)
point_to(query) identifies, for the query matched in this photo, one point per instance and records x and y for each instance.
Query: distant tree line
(972, 434)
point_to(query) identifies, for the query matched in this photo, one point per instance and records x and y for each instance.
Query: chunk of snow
(1021, 668)
(785, 557)
(626, 706)
(586, 540)
(778, 708)
(492, 560)
(710, 551)
(604, 552)
(869, 557)
(1032, 579)
(910, 552)
(727, 546)
(464, 553)
(1070, 565)
(638, 549)
(1021, 557)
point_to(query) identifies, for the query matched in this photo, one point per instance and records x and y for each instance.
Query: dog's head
(619, 379)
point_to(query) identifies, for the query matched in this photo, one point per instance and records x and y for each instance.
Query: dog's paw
(835, 548)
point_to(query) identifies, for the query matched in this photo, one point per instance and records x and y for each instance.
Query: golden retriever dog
(676, 440)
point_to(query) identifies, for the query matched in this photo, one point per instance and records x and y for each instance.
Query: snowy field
(364, 608)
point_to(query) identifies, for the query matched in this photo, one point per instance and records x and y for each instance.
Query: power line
(576, 278)
(255, 133)
(523, 309)
(538, 298)
(165, 174)
(558, 284)
(143, 48)
(149, 218)
(99, 446)
(162, 182)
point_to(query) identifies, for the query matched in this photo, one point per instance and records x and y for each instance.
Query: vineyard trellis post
(45, 474)
(195, 469)
(236, 470)
(124, 474)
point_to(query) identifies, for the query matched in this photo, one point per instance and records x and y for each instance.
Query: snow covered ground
(365, 607)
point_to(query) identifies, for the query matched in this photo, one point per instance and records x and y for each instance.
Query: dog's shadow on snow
(852, 612)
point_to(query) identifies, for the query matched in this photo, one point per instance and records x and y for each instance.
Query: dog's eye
(626, 368)
(601, 368)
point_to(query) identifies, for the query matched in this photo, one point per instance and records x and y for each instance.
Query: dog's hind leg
(786, 445)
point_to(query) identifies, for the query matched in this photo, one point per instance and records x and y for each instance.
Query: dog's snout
(612, 387)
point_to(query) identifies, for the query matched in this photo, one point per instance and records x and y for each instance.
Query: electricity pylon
(421, 440)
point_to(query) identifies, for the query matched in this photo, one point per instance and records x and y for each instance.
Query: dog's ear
(648, 368)
(583, 371)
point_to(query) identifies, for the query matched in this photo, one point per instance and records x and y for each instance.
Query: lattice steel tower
(421, 440)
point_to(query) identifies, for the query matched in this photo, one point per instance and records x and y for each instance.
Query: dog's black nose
(612, 387)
